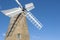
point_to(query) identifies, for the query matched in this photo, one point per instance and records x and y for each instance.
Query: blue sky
(46, 11)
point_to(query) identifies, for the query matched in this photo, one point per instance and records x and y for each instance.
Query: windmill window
(18, 36)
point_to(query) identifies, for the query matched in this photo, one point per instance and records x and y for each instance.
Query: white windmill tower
(18, 28)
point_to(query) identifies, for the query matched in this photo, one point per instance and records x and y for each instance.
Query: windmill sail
(34, 20)
(12, 12)
(29, 6)
(19, 4)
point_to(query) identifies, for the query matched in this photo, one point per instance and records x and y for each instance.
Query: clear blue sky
(47, 12)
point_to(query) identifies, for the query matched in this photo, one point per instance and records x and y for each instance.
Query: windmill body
(18, 29)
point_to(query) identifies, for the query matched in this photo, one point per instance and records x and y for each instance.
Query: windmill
(18, 29)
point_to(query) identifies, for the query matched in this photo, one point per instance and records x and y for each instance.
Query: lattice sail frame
(34, 20)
